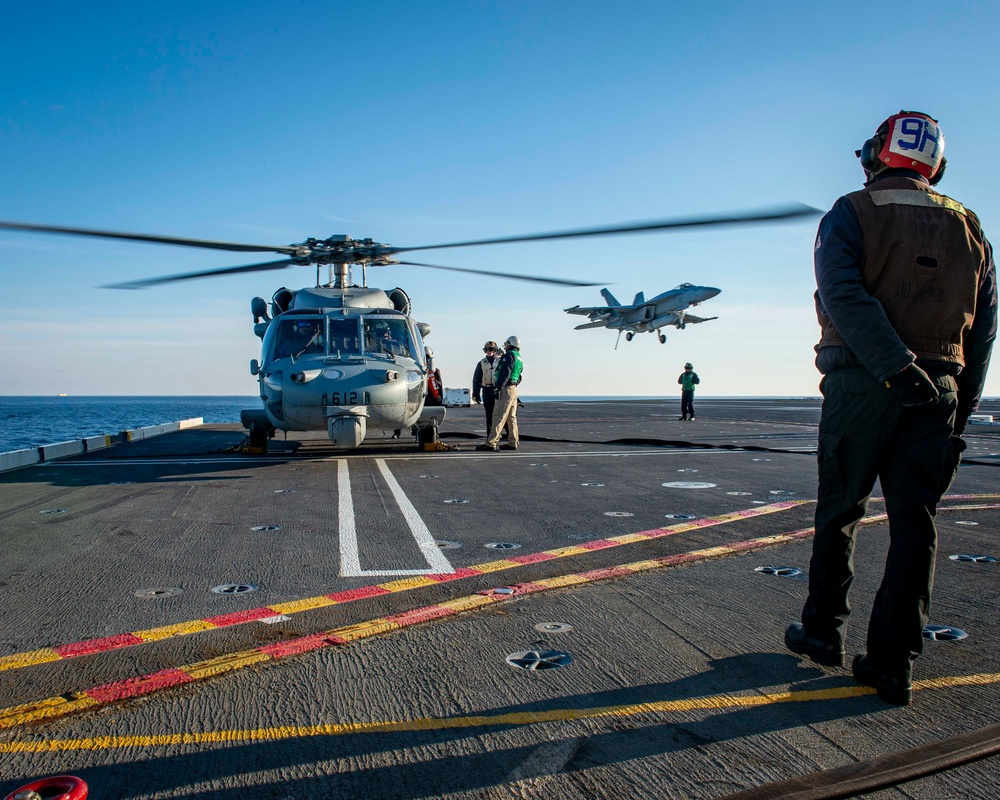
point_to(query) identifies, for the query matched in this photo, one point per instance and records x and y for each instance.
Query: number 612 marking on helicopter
(349, 398)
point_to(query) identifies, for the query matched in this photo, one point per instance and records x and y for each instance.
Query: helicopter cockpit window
(388, 336)
(299, 337)
(344, 336)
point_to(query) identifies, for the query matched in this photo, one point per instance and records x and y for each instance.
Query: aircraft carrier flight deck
(598, 614)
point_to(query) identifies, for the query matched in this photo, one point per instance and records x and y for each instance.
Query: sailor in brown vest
(483, 381)
(907, 304)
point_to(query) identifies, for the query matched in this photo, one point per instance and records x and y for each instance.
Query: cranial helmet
(490, 345)
(688, 366)
(907, 140)
(512, 341)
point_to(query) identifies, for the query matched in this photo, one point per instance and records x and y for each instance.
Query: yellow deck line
(709, 703)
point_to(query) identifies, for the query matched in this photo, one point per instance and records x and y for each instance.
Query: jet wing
(691, 319)
(590, 312)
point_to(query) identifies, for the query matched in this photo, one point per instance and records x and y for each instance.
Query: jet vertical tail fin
(610, 299)
(640, 298)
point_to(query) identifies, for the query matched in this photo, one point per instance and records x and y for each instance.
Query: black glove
(476, 398)
(912, 387)
(496, 391)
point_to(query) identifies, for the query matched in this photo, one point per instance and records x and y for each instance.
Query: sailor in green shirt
(688, 380)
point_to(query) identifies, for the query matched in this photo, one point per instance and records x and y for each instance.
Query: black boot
(798, 640)
(896, 690)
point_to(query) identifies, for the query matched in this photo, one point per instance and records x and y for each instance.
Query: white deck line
(350, 560)
(421, 535)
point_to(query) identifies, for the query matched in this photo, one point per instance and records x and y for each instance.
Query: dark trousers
(687, 402)
(489, 403)
(864, 434)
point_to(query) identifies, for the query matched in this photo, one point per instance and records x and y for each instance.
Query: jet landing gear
(662, 337)
(629, 336)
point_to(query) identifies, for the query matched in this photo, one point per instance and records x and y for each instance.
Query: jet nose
(709, 292)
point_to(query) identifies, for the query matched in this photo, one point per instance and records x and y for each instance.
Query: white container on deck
(456, 397)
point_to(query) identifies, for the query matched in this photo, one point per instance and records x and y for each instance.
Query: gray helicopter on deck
(345, 358)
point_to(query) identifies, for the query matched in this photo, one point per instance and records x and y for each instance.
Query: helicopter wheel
(663, 338)
(259, 436)
(629, 336)
(427, 437)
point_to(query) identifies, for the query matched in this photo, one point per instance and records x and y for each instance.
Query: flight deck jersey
(516, 367)
(688, 380)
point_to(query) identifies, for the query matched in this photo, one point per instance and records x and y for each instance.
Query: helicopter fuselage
(348, 361)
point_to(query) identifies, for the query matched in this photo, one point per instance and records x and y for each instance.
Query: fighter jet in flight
(647, 316)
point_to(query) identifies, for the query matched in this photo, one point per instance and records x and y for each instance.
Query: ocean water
(32, 421)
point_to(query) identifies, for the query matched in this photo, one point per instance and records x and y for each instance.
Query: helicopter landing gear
(663, 338)
(629, 336)
(259, 436)
(427, 436)
(259, 431)
(426, 428)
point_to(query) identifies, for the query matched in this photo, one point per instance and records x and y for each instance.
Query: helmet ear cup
(935, 179)
(869, 153)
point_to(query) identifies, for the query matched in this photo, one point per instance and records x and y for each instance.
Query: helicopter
(350, 359)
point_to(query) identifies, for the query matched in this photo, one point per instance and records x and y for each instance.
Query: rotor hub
(344, 250)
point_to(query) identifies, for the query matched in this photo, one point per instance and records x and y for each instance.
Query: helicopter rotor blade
(143, 237)
(792, 211)
(269, 265)
(510, 275)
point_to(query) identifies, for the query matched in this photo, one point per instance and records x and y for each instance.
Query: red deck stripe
(527, 588)
(532, 558)
(356, 594)
(97, 645)
(419, 615)
(295, 646)
(237, 617)
(598, 544)
(134, 687)
(460, 572)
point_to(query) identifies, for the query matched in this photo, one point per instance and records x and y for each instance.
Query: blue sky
(422, 123)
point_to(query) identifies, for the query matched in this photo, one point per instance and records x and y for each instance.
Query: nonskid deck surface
(389, 587)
